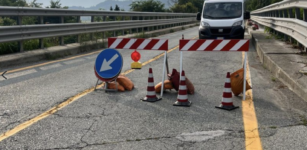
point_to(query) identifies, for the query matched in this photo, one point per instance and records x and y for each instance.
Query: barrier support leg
(180, 64)
(244, 81)
(163, 74)
(96, 84)
(167, 68)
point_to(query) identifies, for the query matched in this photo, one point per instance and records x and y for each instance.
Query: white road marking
(74, 61)
(50, 66)
(199, 136)
(18, 74)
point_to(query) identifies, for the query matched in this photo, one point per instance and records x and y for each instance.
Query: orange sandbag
(112, 85)
(190, 86)
(125, 82)
(174, 78)
(167, 85)
(236, 80)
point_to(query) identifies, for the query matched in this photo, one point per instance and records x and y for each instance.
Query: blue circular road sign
(108, 64)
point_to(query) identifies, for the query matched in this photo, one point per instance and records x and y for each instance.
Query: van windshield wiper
(207, 16)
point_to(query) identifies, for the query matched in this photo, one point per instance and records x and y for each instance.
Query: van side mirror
(198, 16)
(247, 15)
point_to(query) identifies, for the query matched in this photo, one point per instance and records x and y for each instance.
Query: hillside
(108, 3)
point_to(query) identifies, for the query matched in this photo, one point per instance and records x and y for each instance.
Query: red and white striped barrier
(142, 44)
(226, 45)
(213, 45)
(138, 44)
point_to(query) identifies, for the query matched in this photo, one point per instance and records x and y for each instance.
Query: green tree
(147, 6)
(55, 4)
(35, 4)
(111, 9)
(116, 8)
(13, 3)
(184, 8)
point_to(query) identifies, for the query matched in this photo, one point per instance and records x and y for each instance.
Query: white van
(222, 19)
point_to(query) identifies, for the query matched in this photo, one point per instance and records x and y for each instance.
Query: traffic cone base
(146, 99)
(186, 104)
(227, 107)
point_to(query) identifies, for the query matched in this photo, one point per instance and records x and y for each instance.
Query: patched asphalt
(120, 120)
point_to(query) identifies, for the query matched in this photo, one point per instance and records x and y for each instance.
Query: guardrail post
(130, 28)
(305, 14)
(79, 36)
(285, 13)
(20, 43)
(291, 13)
(41, 40)
(92, 34)
(61, 38)
(137, 29)
(297, 13)
(143, 18)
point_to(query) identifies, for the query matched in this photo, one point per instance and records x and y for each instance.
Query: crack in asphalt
(105, 143)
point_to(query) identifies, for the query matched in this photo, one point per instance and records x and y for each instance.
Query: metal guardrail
(285, 17)
(25, 32)
(28, 11)
(17, 33)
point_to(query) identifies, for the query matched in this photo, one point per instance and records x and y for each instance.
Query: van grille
(216, 30)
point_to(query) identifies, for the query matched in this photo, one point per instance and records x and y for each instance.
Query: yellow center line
(67, 102)
(252, 138)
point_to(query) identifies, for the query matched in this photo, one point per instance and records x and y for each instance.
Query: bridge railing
(20, 32)
(288, 17)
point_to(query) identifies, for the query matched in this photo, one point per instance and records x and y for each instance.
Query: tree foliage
(251, 5)
(147, 6)
(184, 8)
(13, 3)
(116, 8)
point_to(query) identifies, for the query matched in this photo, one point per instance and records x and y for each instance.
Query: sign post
(108, 66)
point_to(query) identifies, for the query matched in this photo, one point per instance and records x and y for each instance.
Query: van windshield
(223, 10)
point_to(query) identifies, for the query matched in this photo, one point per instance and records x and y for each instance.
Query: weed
(137, 139)
(303, 120)
(171, 30)
(273, 127)
(182, 27)
(273, 79)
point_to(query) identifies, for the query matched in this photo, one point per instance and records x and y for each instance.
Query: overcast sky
(83, 3)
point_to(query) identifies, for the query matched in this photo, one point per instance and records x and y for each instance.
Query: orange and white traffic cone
(182, 98)
(227, 96)
(151, 94)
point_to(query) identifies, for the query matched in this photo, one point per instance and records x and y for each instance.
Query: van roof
(224, 0)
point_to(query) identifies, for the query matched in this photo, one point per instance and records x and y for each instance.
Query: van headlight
(238, 23)
(204, 24)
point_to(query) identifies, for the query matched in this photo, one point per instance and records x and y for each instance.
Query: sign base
(136, 65)
(106, 87)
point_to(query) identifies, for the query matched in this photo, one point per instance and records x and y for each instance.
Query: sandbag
(112, 85)
(190, 86)
(167, 85)
(125, 82)
(174, 78)
(236, 80)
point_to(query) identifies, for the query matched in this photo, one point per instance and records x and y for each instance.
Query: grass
(273, 79)
(303, 120)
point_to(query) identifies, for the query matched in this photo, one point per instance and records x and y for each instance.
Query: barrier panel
(143, 44)
(231, 45)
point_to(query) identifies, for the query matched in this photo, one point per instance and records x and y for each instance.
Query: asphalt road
(102, 120)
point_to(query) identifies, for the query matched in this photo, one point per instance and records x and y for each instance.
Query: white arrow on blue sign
(109, 64)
